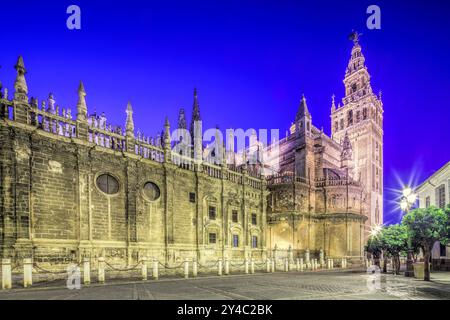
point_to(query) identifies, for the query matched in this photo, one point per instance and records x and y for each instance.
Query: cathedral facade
(74, 187)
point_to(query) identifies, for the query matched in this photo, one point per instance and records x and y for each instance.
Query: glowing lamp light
(407, 192)
(375, 230)
(411, 198)
(404, 204)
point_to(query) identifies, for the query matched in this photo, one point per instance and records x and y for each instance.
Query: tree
(375, 248)
(394, 241)
(425, 227)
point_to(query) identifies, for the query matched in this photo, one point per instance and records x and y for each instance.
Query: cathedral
(77, 187)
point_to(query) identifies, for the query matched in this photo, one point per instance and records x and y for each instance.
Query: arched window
(108, 184)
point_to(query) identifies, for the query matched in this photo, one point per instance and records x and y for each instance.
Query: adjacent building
(435, 191)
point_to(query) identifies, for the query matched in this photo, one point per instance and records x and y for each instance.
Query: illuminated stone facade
(74, 188)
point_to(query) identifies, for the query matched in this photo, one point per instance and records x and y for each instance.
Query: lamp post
(407, 201)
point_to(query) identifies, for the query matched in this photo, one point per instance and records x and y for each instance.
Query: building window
(427, 202)
(254, 219)
(441, 197)
(192, 197)
(254, 242)
(212, 238)
(350, 117)
(364, 113)
(358, 116)
(235, 240)
(151, 191)
(108, 184)
(336, 126)
(342, 124)
(212, 213)
(234, 216)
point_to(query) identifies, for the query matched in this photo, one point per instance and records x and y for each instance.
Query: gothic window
(336, 127)
(151, 191)
(235, 240)
(212, 213)
(358, 116)
(192, 197)
(254, 219)
(427, 202)
(108, 184)
(212, 238)
(350, 117)
(254, 242)
(364, 113)
(354, 88)
(234, 216)
(342, 124)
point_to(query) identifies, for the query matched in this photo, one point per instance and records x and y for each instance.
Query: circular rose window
(108, 184)
(151, 191)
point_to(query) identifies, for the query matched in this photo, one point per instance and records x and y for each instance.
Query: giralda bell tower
(361, 116)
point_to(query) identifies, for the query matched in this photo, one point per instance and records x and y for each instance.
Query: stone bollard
(286, 265)
(297, 264)
(246, 266)
(186, 268)
(301, 264)
(219, 268)
(252, 266)
(273, 264)
(6, 274)
(155, 275)
(227, 266)
(144, 268)
(101, 269)
(307, 258)
(313, 264)
(332, 263)
(86, 271)
(194, 268)
(268, 265)
(329, 263)
(27, 272)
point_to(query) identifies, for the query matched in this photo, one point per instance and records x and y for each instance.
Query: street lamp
(407, 201)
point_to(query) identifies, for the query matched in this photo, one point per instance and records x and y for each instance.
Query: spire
(182, 119)
(357, 59)
(51, 103)
(81, 104)
(130, 122)
(333, 105)
(20, 84)
(303, 109)
(347, 150)
(195, 113)
(166, 134)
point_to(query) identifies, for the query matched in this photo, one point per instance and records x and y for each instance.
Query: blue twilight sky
(250, 60)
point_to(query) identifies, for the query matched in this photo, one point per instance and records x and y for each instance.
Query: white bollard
(6, 274)
(286, 265)
(219, 268)
(329, 263)
(252, 266)
(227, 266)
(297, 264)
(186, 268)
(144, 268)
(155, 275)
(273, 264)
(86, 271)
(194, 268)
(268, 265)
(301, 264)
(101, 269)
(27, 272)
(246, 266)
(332, 263)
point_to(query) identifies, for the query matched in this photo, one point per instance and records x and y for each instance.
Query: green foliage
(374, 246)
(427, 225)
(394, 239)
